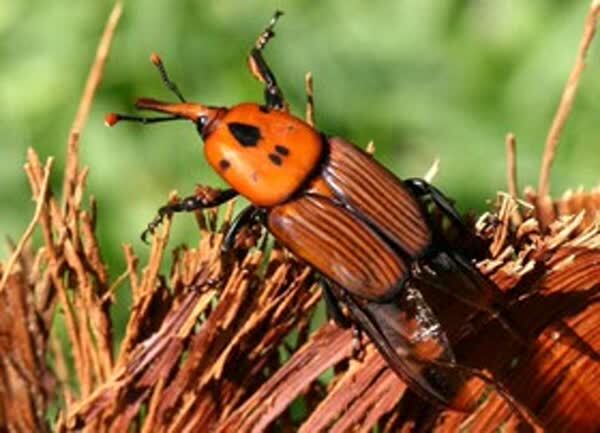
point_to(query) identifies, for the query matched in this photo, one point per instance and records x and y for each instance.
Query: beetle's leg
(358, 350)
(245, 217)
(203, 199)
(422, 188)
(259, 68)
(334, 311)
(310, 101)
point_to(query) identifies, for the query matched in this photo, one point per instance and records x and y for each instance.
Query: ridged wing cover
(378, 195)
(339, 245)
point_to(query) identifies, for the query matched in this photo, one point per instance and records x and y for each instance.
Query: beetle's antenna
(112, 119)
(157, 61)
(268, 32)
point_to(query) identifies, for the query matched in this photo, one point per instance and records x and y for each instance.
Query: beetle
(368, 233)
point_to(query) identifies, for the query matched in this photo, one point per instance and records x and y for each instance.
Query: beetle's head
(204, 117)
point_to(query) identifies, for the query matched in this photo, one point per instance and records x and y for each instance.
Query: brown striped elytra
(366, 232)
(362, 182)
(343, 248)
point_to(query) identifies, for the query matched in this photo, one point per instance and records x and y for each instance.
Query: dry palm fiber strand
(207, 346)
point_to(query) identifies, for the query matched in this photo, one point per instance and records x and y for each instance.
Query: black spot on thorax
(275, 159)
(224, 164)
(282, 150)
(246, 135)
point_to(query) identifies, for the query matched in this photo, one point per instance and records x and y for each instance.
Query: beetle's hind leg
(204, 198)
(334, 312)
(423, 188)
(332, 304)
(425, 191)
(260, 69)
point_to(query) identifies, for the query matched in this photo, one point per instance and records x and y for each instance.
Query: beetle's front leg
(260, 69)
(204, 198)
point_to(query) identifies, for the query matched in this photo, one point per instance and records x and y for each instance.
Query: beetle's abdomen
(377, 195)
(339, 245)
(264, 155)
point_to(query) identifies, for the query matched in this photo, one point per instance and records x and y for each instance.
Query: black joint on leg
(418, 186)
(190, 204)
(274, 99)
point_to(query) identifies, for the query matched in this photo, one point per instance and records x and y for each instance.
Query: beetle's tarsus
(268, 32)
(204, 198)
(155, 223)
(260, 69)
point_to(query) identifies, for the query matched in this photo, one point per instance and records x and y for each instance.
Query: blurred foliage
(423, 79)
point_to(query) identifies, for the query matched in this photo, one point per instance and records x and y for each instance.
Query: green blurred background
(423, 78)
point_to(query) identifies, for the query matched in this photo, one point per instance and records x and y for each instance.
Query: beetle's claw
(152, 226)
(144, 236)
(149, 231)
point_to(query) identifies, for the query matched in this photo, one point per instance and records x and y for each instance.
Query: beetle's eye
(201, 123)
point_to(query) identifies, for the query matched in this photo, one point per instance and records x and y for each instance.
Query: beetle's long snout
(193, 111)
(184, 110)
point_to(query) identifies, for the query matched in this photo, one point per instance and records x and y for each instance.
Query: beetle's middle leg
(260, 69)
(246, 217)
(204, 198)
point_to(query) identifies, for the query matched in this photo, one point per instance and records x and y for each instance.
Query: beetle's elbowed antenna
(112, 119)
(157, 61)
